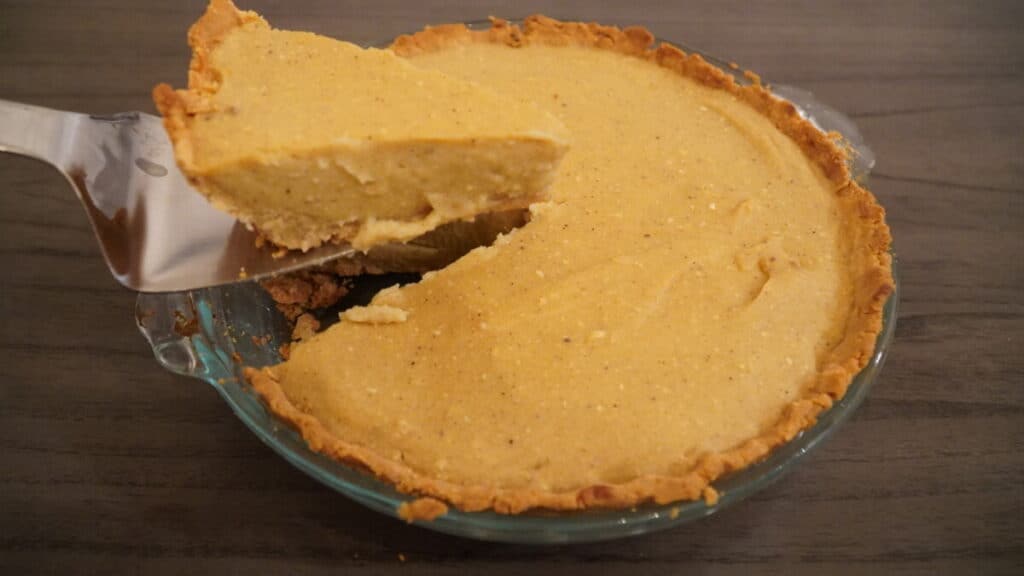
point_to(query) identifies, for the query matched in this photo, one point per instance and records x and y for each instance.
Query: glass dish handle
(169, 323)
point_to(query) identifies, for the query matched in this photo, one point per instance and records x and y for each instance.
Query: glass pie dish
(211, 334)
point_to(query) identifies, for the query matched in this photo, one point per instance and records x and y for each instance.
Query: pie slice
(705, 281)
(313, 140)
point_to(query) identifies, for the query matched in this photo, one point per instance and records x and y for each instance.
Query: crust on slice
(179, 107)
(313, 140)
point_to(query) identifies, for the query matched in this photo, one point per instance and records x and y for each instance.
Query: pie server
(156, 232)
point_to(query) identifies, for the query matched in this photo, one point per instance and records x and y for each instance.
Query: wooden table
(110, 464)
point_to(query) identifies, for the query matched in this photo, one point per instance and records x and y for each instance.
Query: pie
(705, 280)
(313, 140)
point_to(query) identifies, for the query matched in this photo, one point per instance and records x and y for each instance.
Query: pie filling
(705, 280)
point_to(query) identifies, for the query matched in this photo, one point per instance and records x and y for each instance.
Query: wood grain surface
(108, 464)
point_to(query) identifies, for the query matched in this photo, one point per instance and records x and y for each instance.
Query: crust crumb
(710, 496)
(425, 509)
(866, 224)
(306, 289)
(300, 292)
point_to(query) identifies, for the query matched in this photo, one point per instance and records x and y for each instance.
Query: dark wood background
(109, 464)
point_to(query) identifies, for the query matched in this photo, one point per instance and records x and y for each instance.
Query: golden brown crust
(179, 106)
(306, 289)
(425, 509)
(866, 228)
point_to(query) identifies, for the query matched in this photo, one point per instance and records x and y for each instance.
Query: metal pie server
(156, 232)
